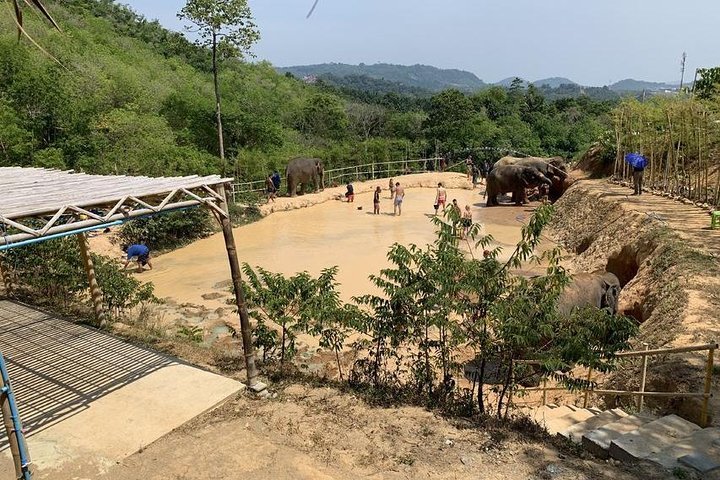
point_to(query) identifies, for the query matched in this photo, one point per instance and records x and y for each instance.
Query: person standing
(399, 197)
(276, 180)
(638, 172)
(440, 198)
(350, 194)
(392, 189)
(376, 201)
(466, 221)
(270, 189)
(469, 166)
(139, 252)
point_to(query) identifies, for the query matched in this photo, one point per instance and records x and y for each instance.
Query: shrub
(170, 230)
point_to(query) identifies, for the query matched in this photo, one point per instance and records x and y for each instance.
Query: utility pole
(682, 69)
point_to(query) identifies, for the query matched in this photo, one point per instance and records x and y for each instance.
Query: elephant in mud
(515, 179)
(553, 166)
(303, 171)
(554, 169)
(599, 289)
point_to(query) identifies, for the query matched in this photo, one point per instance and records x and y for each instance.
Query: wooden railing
(642, 393)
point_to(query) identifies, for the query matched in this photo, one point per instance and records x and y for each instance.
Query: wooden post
(7, 419)
(587, 390)
(7, 281)
(641, 399)
(708, 386)
(235, 272)
(544, 397)
(95, 292)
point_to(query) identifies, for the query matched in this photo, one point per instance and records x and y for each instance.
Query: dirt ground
(311, 433)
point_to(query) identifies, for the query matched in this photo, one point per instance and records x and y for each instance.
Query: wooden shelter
(38, 204)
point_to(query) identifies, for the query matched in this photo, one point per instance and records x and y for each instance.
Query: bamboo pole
(235, 272)
(587, 391)
(10, 431)
(641, 399)
(95, 292)
(708, 386)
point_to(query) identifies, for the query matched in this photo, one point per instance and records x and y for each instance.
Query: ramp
(87, 397)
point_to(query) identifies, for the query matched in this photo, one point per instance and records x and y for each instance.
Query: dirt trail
(690, 222)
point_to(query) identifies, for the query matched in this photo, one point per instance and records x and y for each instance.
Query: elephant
(303, 171)
(558, 187)
(512, 178)
(554, 166)
(599, 289)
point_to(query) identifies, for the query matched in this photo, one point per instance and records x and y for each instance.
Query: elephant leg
(519, 196)
(292, 188)
(302, 188)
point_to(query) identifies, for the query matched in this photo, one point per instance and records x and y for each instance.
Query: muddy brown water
(332, 233)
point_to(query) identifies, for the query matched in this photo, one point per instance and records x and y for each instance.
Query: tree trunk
(218, 115)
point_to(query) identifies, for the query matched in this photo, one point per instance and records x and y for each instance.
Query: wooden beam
(95, 292)
(235, 272)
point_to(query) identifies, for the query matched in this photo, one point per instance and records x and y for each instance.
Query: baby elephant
(599, 289)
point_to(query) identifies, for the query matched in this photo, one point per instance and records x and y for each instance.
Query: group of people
(397, 195)
(272, 185)
(464, 217)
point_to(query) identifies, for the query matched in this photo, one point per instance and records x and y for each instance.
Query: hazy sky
(592, 42)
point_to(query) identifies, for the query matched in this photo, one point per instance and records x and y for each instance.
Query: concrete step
(651, 438)
(548, 412)
(575, 432)
(558, 424)
(598, 441)
(700, 451)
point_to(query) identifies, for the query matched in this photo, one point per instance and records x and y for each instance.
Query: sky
(592, 42)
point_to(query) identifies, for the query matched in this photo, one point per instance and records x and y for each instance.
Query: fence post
(357, 174)
(587, 390)
(373, 170)
(708, 385)
(544, 398)
(641, 400)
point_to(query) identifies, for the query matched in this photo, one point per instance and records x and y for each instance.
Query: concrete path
(87, 399)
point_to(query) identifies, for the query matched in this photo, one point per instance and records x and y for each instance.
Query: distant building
(310, 79)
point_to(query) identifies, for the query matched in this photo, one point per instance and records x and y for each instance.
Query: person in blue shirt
(276, 180)
(139, 252)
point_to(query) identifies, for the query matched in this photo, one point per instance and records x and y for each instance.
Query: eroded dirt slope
(665, 256)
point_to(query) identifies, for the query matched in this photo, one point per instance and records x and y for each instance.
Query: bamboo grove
(680, 136)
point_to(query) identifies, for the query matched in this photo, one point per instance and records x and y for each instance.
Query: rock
(220, 311)
(212, 295)
(449, 442)
(466, 461)
(225, 284)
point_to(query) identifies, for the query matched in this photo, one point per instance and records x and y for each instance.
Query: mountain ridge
(428, 77)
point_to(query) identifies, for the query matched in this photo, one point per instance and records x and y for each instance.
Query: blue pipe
(17, 425)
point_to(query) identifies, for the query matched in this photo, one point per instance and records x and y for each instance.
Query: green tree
(227, 27)
(324, 115)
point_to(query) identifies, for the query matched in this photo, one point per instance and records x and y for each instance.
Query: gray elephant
(512, 178)
(553, 166)
(599, 289)
(303, 171)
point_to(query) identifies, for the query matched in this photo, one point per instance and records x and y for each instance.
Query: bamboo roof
(37, 202)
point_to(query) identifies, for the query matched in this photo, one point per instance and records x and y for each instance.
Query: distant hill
(553, 82)
(631, 85)
(418, 76)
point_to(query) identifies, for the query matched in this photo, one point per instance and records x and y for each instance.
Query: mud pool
(332, 233)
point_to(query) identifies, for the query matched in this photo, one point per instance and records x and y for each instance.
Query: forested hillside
(128, 96)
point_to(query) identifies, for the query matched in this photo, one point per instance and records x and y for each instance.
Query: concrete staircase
(669, 441)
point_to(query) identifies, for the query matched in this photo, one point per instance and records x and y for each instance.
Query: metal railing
(642, 393)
